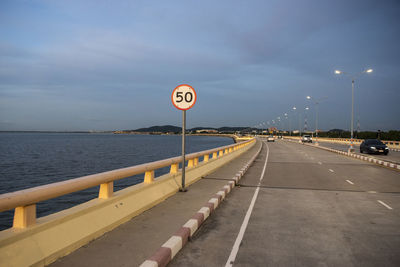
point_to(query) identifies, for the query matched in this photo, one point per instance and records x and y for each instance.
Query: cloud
(249, 61)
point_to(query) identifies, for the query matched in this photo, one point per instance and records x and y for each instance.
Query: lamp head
(338, 72)
(308, 97)
(369, 70)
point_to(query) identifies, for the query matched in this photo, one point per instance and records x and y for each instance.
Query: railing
(24, 201)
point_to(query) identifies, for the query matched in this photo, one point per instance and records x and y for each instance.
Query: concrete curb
(169, 249)
(357, 156)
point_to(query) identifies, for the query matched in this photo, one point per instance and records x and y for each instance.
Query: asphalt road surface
(302, 206)
(393, 156)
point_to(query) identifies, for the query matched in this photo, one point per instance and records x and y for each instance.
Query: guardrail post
(206, 158)
(230, 150)
(196, 161)
(174, 168)
(221, 153)
(106, 190)
(215, 155)
(190, 163)
(226, 151)
(24, 216)
(149, 177)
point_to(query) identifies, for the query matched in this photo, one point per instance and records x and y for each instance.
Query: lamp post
(305, 119)
(353, 77)
(279, 125)
(286, 115)
(299, 123)
(316, 102)
(294, 116)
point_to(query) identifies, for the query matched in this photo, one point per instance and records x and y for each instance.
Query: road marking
(239, 238)
(350, 182)
(331, 170)
(371, 192)
(312, 158)
(384, 204)
(319, 162)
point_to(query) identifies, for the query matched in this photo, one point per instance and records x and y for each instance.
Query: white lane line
(239, 238)
(384, 204)
(331, 170)
(350, 182)
(319, 162)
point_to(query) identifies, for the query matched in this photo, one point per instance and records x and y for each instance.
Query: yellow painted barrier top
(40, 193)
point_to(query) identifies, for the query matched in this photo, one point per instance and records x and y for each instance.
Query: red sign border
(195, 95)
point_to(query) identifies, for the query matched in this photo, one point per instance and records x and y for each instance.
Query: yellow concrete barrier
(41, 241)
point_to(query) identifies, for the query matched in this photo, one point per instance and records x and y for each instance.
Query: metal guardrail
(24, 201)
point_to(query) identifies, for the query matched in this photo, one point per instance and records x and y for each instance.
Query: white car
(306, 139)
(270, 139)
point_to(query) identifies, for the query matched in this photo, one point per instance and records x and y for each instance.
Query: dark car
(374, 146)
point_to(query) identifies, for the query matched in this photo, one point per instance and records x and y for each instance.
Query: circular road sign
(184, 97)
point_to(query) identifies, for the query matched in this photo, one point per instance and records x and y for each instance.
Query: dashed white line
(319, 162)
(350, 182)
(239, 238)
(384, 204)
(331, 170)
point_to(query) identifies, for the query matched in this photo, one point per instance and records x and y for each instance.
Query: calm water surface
(32, 159)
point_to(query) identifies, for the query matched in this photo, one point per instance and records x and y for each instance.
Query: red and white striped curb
(169, 249)
(361, 157)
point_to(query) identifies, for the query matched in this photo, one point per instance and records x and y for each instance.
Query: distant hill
(159, 129)
(336, 131)
(175, 129)
(234, 129)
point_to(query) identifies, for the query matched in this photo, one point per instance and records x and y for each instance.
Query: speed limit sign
(183, 97)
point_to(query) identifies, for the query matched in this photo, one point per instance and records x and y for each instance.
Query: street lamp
(299, 123)
(294, 116)
(316, 102)
(280, 124)
(286, 116)
(305, 128)
(353, 77)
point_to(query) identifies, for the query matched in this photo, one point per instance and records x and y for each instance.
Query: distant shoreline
(56, 131)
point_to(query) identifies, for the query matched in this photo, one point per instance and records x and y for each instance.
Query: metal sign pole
(183, 189)
(183, 98)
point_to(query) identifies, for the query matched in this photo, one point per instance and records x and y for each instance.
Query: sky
(112, 65)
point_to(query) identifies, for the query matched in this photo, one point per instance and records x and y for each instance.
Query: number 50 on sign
(184, 97)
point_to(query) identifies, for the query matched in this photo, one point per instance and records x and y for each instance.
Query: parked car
(270, 139)
(374, 146)
(306, 139)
